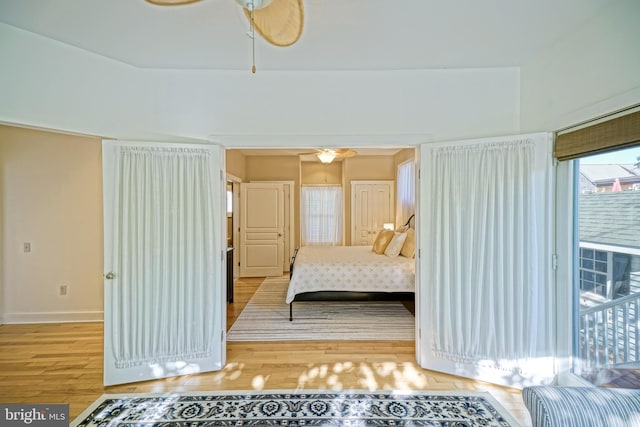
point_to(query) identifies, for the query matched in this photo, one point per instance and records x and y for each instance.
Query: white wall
(49, 84)
(52, 198)
(1, 236)
(592, 71)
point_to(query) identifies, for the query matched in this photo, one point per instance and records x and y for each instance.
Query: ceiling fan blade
(280, 23)
(345, 153)
(171, 2)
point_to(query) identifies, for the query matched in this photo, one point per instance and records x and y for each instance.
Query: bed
(335, 273)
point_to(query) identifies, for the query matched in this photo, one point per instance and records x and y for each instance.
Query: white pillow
(395, 246)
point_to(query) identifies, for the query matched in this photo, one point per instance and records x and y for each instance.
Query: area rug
(303, 408)
(266, 318)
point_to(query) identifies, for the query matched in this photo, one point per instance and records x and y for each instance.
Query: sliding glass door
(606, 254)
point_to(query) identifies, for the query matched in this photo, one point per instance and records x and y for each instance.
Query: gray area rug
(266, 318)
(300, 408)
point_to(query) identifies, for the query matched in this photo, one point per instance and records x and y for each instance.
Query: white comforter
(349, 268)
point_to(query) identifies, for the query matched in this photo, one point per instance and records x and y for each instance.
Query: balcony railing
(609, 333)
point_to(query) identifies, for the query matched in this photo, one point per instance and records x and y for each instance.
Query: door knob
(110, 276)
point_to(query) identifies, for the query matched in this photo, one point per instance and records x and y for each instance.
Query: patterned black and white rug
(280, 408)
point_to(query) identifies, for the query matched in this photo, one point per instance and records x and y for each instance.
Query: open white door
(164, 240)
(261, 229)
(486, 296)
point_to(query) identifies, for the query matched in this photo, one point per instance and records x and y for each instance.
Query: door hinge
(554, 262)
(419, 171)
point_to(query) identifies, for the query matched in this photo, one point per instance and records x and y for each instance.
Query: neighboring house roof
(606, 174)
(610, 218)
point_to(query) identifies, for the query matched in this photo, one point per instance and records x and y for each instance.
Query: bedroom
(286, 165)
(52, 185)
(367, 165)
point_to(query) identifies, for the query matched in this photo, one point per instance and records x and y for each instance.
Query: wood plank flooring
(62, 363)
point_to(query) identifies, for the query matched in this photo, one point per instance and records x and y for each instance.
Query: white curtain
(489, 258)
(321, 212)
(405, 194)
(165, 230)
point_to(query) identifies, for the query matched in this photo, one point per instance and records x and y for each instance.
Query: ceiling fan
(327, 155)
(279, 22)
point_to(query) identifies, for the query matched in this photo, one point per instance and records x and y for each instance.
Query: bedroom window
(406, 199)
(321, 215)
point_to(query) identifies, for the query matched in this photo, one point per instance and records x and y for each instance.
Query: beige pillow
(382, 240)
(409, 247)
(394, 247)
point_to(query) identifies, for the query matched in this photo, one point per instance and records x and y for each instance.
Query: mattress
(349, 268)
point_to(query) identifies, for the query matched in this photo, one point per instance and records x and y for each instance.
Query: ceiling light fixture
(326, 156)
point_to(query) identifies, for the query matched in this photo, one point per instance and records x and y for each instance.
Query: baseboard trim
(54, 317)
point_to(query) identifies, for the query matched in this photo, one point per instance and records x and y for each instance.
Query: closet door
(371, 208)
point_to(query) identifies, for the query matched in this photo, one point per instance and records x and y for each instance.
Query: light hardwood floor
(62, 363)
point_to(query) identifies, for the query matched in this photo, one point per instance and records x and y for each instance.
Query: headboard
(408, 223)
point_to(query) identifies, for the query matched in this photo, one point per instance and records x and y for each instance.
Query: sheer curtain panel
(406, 199)
(163, 298)
(487, 252)
(321, 211)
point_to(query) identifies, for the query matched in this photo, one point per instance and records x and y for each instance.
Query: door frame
(565, 244)
(416, 148)
(236, 223)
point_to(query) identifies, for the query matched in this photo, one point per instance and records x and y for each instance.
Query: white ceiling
(338, 34)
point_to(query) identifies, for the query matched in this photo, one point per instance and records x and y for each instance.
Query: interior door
(372, 207)
(164, 241)
(261, 229)
(362, 215)
(381, 206)
(505, 333)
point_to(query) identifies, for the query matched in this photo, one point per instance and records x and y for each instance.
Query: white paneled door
(486, 286)
(164, 242)
(371, 207)
(261, 229)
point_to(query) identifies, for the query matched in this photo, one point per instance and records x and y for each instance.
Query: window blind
(616, 133)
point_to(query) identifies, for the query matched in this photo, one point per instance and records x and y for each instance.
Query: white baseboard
(53, 317)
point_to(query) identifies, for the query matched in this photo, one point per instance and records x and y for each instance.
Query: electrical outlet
(63, 289)
(27, 247)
